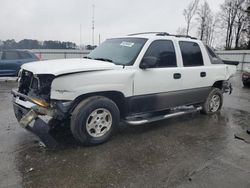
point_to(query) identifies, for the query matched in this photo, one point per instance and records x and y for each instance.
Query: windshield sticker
(127, 44)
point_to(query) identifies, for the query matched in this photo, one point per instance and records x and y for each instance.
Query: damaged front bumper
(26, 110)
(29, 115)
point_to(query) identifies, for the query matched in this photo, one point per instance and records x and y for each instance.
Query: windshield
(121, 51)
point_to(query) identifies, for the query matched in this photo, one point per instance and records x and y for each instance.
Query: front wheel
(213, 102)
(94, 120)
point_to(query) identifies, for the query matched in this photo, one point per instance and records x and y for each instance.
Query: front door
(155, 88)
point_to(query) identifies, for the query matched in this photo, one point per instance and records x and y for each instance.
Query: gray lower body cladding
(163, 101)
(134, 105)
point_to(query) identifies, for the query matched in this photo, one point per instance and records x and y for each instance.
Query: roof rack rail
(184, 36)
(157, 33)
(163, 34)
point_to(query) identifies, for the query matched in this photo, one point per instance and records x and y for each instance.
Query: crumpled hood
(67, 66)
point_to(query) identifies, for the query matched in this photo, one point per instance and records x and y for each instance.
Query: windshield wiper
(104, 59)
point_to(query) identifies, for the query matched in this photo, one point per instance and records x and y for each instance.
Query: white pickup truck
(137, 79)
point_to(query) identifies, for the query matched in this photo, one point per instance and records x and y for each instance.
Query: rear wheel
(94, 120)
(213, 102)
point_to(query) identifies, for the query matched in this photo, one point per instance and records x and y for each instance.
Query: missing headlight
(41, 86)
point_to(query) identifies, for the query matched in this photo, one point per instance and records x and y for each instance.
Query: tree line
(35, 44)
(232, 23)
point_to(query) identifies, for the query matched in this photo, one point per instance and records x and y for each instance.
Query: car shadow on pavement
(65, 139)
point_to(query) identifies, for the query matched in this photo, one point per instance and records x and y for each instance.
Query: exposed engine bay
(37, 86)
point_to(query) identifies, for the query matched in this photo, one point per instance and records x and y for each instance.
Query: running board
(138, 120)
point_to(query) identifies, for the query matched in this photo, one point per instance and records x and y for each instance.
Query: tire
(94, 120)
(213, 102)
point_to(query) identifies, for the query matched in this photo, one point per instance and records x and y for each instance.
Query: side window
(1, 55)
(25, 55)
(10, 55)
(191, 54)
(164, 51)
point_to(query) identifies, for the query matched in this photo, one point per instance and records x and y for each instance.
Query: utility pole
(93, 25)
(80, 46)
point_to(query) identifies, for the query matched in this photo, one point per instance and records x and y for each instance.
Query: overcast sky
(61, 19)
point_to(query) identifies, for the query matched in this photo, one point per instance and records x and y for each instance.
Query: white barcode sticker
(127, 44)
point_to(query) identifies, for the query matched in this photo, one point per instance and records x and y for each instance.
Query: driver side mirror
(148, 62)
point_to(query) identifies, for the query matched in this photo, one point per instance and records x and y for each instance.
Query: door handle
(177, 75)
(203, 74)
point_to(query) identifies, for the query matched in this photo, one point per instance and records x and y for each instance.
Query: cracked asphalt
(189, 151)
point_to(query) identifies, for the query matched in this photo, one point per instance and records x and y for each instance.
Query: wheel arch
(218, 84)
(117, 97)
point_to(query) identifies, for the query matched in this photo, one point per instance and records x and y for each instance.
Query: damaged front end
(28, 109)
(31, 101)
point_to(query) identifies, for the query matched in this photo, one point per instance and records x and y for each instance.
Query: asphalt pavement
(189, 151)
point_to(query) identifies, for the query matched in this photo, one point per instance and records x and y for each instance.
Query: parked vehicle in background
(12, 60)
(246, 78)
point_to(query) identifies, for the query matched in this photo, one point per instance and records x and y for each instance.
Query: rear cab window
(191, 54)
(214, 59)
(210, 52)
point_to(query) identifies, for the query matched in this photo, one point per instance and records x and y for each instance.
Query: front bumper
(28, 115)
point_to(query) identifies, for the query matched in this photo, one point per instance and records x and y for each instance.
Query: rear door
(194, 73)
